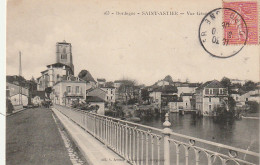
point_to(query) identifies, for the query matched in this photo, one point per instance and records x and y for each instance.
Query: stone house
(210, 95)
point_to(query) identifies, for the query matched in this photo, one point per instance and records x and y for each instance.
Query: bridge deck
(94, 151)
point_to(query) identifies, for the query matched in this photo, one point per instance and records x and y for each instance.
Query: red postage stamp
(235, 30)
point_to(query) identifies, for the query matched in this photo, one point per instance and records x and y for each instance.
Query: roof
(194, 84)
(94, 99)
(211, 84)
(165, 89)
(92, 89)
(44, 71)
(63, 42)
(17, 84)
(187, 94)
(41, 94)
(101, 80)
(118, 81)
(71, 79)
(58, 64)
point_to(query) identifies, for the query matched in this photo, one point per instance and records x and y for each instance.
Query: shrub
(9, 106)
(253, 106)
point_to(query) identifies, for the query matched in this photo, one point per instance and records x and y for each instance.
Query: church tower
(64, 54)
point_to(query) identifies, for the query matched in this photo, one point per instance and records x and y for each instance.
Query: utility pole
(20, 75)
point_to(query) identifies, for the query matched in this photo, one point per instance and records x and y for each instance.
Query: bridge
(133, 143)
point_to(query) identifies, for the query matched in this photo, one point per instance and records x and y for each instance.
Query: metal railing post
(166, 136)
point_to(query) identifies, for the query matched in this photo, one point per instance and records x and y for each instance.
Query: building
(187, 100)
(13, 93)
(210, 95)
(187, 88)
(110, 94)
(97, 92)
(63, 67)
(237, 81)
(96, 102)
(69, 89)
(161, 95)
(117, 83)
(162, 83)
(101, 82)
(38, 97)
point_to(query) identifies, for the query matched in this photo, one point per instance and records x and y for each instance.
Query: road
(32, 137)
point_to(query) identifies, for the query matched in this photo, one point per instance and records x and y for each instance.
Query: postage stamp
(249, 12)
(216, 33)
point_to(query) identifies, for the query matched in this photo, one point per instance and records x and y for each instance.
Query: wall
(215, 101)
(186, 102)
(61, 87)
(186, 90)
(14, 89)
(15, 100)
(110, 94)
(162, 83)
(156, 97)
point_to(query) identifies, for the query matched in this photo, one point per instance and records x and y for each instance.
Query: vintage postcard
(131, 82)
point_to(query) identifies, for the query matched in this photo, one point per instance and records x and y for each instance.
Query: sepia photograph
(104, 82)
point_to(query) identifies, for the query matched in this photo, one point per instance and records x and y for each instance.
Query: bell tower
(64, 54)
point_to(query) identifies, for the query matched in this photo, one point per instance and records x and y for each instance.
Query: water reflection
(238, 133)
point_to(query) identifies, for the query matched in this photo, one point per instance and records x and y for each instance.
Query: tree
(226, 83)
(85, 75)
(253, 106)
(126, 89)
(249, 85)
(109, 84)
(145, 94)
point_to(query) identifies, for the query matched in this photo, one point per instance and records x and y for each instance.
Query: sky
(140, 47)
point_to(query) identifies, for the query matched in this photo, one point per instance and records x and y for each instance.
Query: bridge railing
(140, 144)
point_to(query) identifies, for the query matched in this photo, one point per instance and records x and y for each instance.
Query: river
(242, 134)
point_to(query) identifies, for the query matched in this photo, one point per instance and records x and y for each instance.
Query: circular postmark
(223, 32)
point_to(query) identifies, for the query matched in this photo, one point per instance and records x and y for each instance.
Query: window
(209, 107)
(206, 91)
(210, 91)
(77, 89)
(63, 56)
(215, 91)
(111, 97)
(107, 97)
(68, 89)
(221, 91)
(210, 99)
(111, 92)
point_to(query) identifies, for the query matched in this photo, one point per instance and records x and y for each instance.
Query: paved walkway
(95, 152)
(32, 137)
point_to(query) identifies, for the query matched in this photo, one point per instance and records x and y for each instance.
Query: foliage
(225, 111)
(253, 106)
(85, 75)
(48, 91)
(127, 89)
(109, 84)
(226, 82)
(145, 94)
(9, 106)
(249, 85)
(168, 78)
(132, 101)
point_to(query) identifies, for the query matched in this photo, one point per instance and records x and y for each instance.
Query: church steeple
(64, 54)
